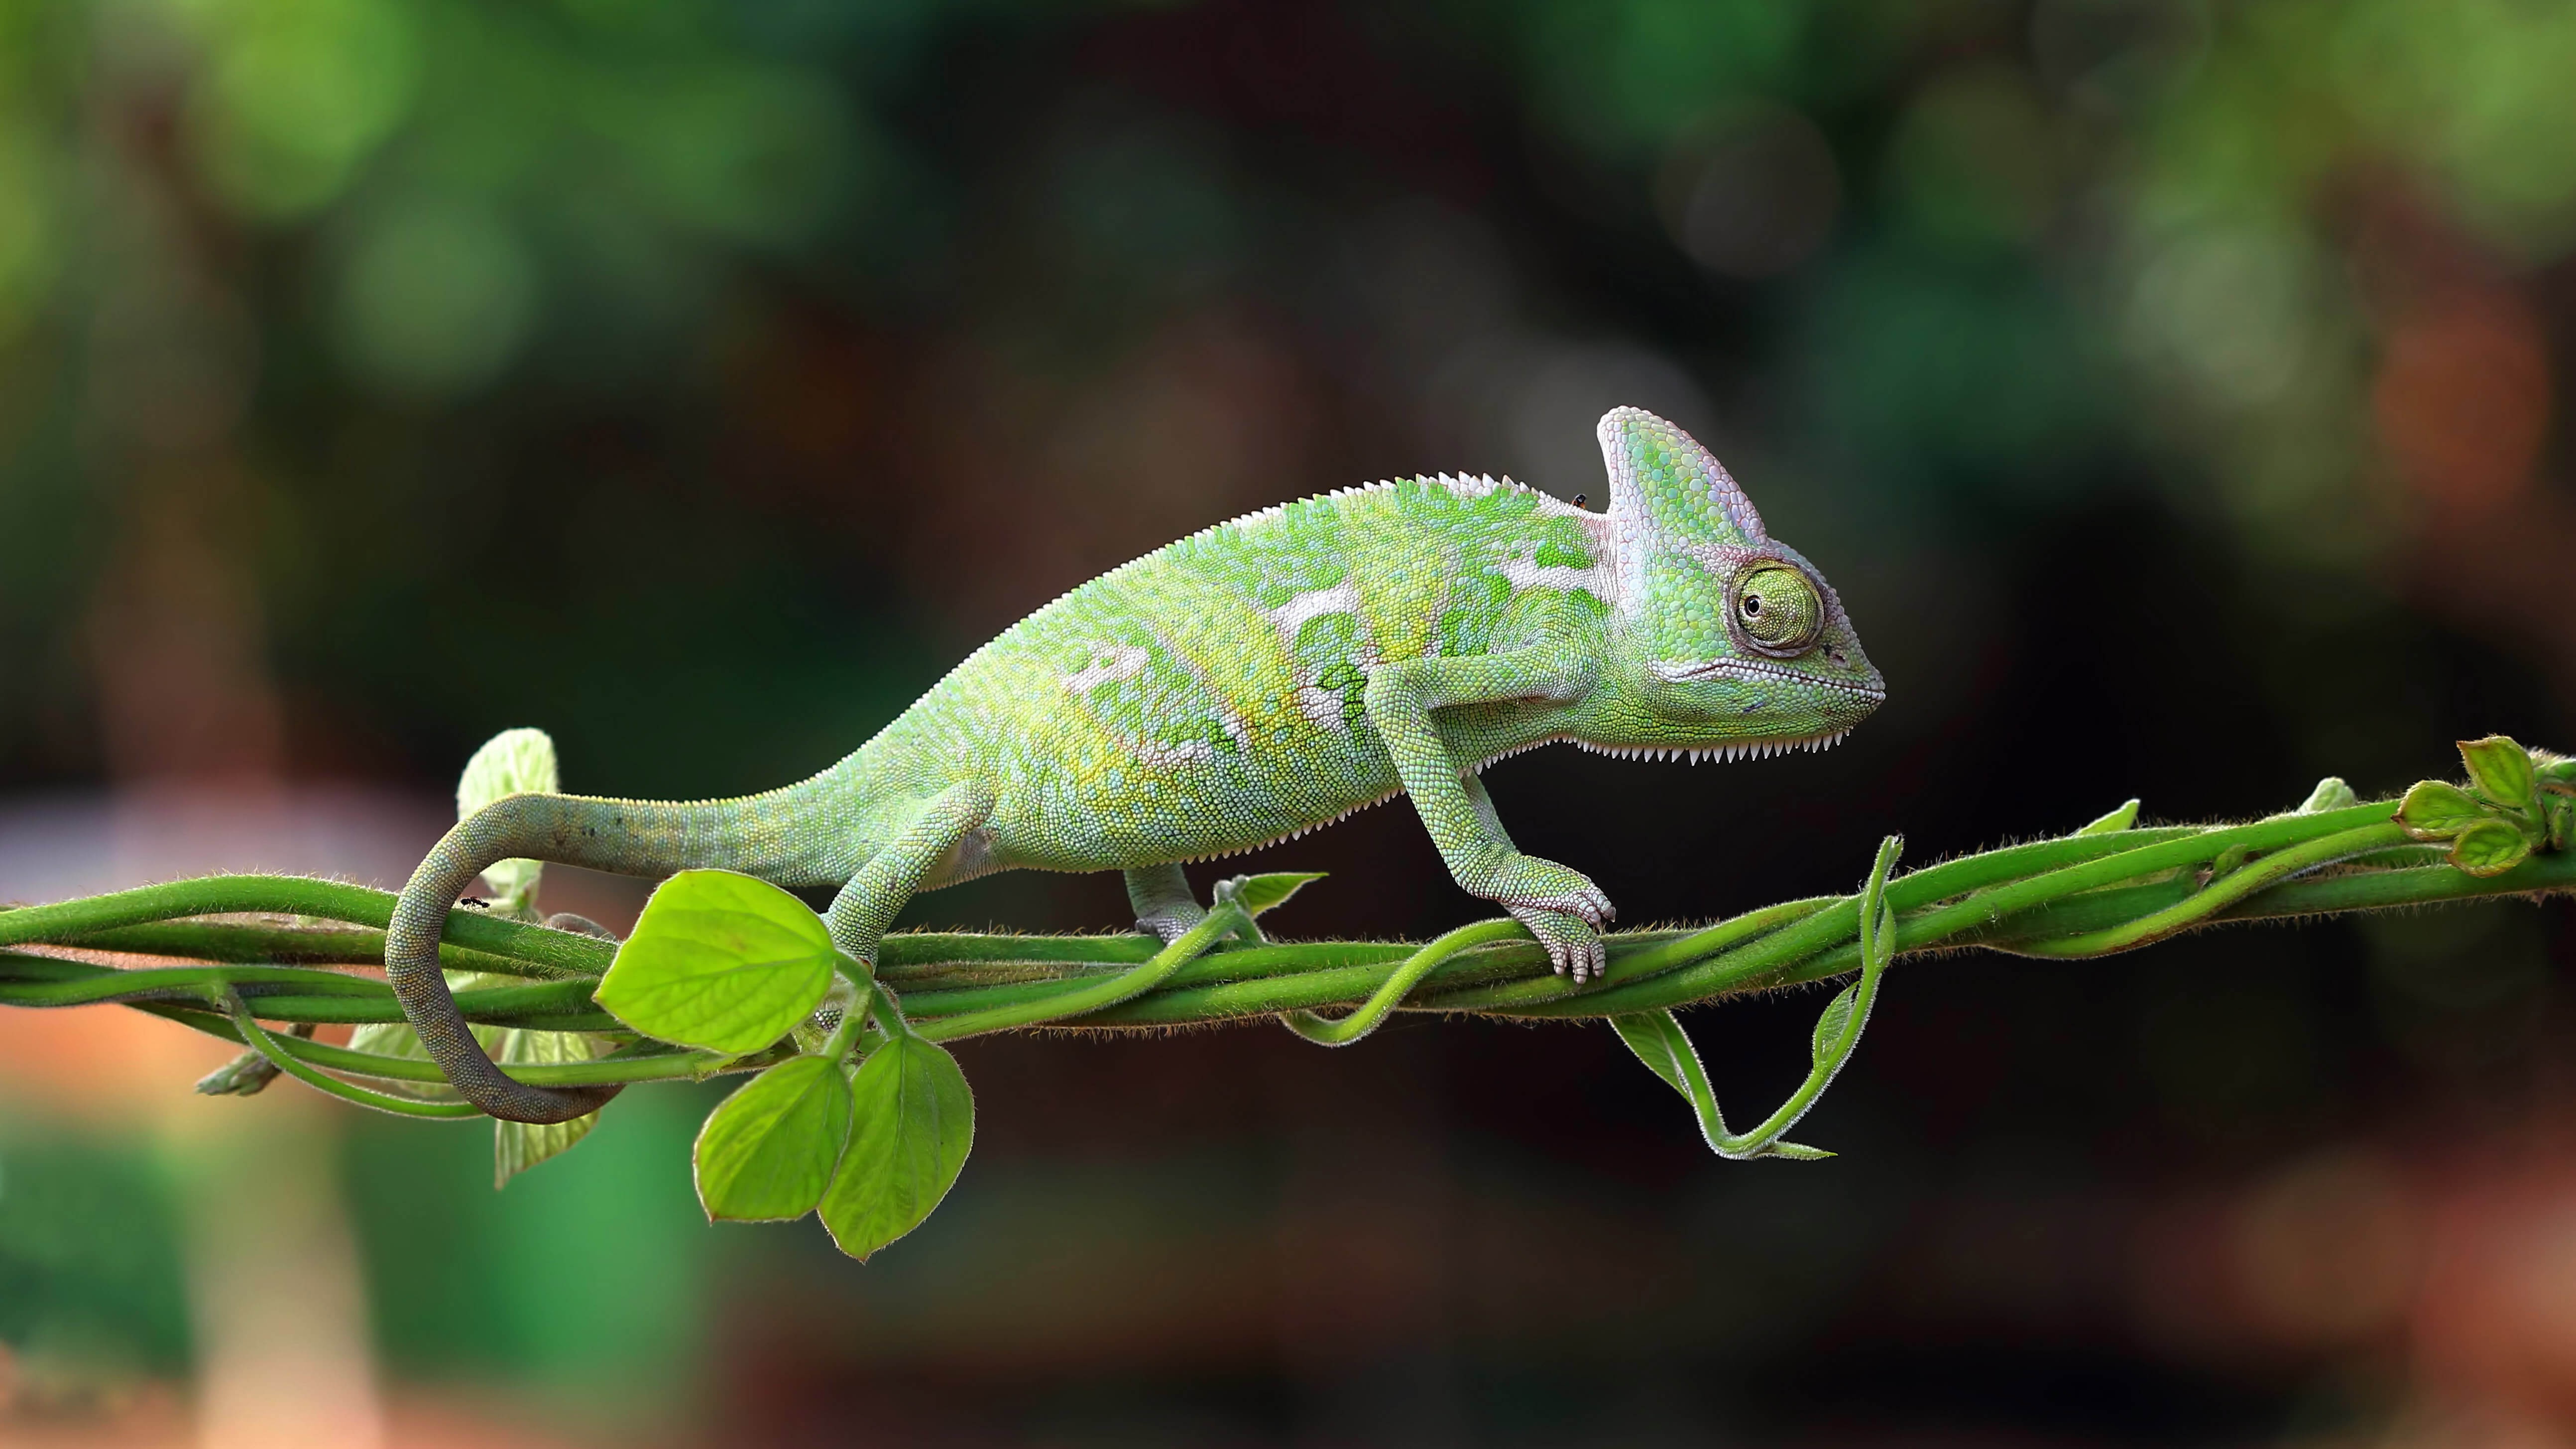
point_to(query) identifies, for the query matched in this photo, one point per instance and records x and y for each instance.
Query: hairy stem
(2072, 897)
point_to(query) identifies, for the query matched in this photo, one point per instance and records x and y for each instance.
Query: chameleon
(1256, 680)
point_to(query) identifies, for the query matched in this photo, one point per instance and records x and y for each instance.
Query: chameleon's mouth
(1748, 750)
(1756, 671)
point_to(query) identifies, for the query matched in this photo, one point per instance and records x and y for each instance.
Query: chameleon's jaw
(1747, 750)
(1762, 671)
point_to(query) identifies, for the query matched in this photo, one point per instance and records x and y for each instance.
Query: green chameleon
(1243, 686)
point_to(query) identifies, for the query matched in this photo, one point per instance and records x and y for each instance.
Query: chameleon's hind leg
(868, 903)
(1165, 907)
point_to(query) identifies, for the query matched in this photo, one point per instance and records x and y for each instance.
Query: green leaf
(518, 1146)
(2434, 810)
(1837, 1015)
(1795, 1152)
(394, 1039)
(2331, 794)
(768, 1151)
(1658, 1041)
(2553, 772)
(720, 961)
(2490, 847)
(2500, 770)
(513, 762)
(2562, 821)
(1258, 893)
(912, 1122)
(2120, 819)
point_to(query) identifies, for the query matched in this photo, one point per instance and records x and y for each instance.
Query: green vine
(860, 1113)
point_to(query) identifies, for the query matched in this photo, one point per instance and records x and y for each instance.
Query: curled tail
(787, 836)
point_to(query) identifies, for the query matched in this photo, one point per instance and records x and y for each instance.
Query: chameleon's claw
(1594, 907)
(1573, 949)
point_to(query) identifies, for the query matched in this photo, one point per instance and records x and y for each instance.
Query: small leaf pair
(2514, 804)
(875, 1149)
(732, 964)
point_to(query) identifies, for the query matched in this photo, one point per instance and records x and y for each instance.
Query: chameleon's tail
(784, 836)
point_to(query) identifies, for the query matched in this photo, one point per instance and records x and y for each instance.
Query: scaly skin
(1247, 684)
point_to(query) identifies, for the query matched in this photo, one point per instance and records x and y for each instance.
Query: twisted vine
(2092, 893)
(227, 953)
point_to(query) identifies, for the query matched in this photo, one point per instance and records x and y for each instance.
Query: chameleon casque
(1247, 684)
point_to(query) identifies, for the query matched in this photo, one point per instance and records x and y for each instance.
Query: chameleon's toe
(1173, 922)
(1573, 948)
(1169, 925)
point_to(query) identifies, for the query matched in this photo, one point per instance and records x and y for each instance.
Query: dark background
(2169, 388)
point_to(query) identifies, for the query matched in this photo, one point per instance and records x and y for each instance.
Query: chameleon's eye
(1777, 611)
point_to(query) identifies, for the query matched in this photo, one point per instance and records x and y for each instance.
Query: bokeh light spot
(299, 92)
(28, 251)
(753, 154)
(433, 298)
(2118, 54)
(2226, 308)
(2477, 94)
(1752, 192)
(1974, 161)
(1636, 71)
(2462, 400)
(2328, 1250)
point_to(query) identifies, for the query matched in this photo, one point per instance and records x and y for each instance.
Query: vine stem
(1189, 946)
(1324, 1031)
(2076, 896)
(269, 1047)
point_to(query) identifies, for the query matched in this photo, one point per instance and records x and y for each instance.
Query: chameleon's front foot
(1573, 945)
(1560, 906)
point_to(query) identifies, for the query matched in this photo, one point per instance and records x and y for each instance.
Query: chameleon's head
(1725, 636)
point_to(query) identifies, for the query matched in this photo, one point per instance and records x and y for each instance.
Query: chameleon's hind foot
(580, 925)
(1170, 924)
(1166, 909)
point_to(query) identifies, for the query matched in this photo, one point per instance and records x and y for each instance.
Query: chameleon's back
(1207, 697)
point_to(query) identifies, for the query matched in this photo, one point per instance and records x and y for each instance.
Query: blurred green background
(2170, 387)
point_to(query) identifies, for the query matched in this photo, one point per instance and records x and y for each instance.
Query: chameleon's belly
(1135, 814)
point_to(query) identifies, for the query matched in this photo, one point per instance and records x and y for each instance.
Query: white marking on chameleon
(1320, 705)
(1292, 617)
(1165, 754)
(1522, 572)
(1109, 664)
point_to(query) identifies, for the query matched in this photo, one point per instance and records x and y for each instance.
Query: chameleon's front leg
(1560, 906)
